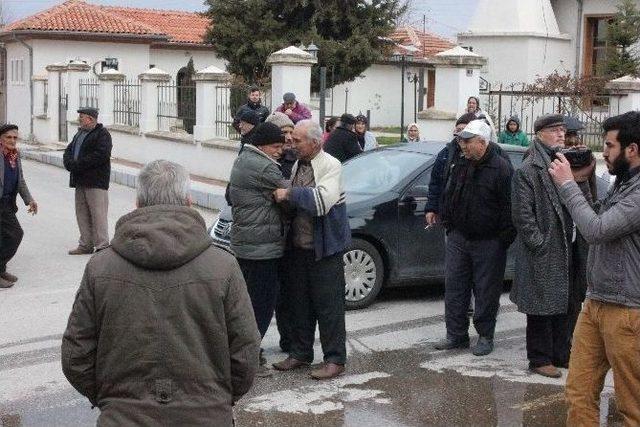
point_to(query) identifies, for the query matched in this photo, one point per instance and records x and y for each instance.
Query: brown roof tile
(427, 44)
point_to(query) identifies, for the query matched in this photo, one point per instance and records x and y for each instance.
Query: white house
(523, 39)
(128, 40)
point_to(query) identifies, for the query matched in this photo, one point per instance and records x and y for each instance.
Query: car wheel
(363, 274)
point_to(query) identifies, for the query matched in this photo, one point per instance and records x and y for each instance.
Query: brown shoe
(8, 277)
(289, 364)
(80, 251)
(547, 371)
(5, 283)
(327, 371)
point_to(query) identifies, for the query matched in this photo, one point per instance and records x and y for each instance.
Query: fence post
(624, 95)
(207, 102)
(290, 72)
(107, 81)
(53, 110)
(76, 70)
(149, 82)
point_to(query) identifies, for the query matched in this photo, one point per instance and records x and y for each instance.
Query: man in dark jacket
(543, 275)
(247, 123)
(162, 331)
(88, 158)
(253, 104)
(343, 141)
(476, 213)
(258, 231)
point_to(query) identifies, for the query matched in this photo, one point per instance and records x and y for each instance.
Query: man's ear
(189, 201)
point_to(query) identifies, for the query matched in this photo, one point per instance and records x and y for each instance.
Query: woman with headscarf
(12, 184)
(473, 106)
(366, 139)
(413, 133)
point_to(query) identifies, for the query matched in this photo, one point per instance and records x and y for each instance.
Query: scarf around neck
(11, 156)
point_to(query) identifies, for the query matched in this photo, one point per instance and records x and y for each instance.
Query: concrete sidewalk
(206, 193)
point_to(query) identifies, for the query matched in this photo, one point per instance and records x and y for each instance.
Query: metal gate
(63, 102)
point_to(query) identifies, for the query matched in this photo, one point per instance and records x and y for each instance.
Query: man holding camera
(608, 331)
(543, 273)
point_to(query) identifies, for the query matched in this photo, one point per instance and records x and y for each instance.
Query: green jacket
(518, 138)
(258, 231)
(162, 331)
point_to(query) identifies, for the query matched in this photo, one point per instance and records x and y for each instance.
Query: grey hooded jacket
(258, 231)
(613, 266)
(162, 331)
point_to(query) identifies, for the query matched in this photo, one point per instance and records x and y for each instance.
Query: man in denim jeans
(608, 331)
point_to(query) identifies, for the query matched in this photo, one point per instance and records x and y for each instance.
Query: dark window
(595, 46)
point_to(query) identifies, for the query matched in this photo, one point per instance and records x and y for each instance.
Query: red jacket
(299, 112)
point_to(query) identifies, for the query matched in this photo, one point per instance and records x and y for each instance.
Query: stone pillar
(624, 95)
(457, 78)
(39, 94)
(207, 102)
(107, 81)
(149, 82)
(290, 72)
(55, 72)
(76, 70)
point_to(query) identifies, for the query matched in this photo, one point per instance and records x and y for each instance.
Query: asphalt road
(394, 376)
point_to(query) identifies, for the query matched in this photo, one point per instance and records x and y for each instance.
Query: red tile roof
(80, 16)
(426, 44)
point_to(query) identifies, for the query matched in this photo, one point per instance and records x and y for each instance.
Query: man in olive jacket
(88, 158)
(162, 331)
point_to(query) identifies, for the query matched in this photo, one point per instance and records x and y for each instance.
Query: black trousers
(318, 296)
(261, 277)
(10, 233)
(472, 266)
(284, 304)
(548, 340)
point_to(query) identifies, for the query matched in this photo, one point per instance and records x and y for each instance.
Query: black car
(386, 194)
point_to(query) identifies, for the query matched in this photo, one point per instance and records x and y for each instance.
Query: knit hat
(265, 134)
(547, 121)
(93, 112)
(347, 119)
(250, 117)
(288, 97)
(465, 119)
(279, 119)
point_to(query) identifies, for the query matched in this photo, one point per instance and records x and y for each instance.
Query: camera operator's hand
(560, 170)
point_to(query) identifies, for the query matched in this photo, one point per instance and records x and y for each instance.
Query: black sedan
(386, 195)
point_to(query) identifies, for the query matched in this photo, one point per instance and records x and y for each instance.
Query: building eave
(83, 35)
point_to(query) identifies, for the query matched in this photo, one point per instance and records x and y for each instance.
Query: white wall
(172, 60)
(378, 90)
(17, 96)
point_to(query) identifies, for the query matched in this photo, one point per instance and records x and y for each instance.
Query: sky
(443, 17)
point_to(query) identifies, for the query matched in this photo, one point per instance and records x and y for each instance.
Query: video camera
(577, 157)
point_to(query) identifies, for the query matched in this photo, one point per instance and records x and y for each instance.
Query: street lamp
(313, 50)
(402, 58)
(413, 78)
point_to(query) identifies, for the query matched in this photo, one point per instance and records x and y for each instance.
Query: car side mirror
(419, 191)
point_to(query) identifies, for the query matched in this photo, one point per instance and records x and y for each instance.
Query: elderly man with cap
(288, 157)
(88, 159)
(294, 109)
(543, 275)
(343, 142)
(258, 232)
(476, 212)
(12, 183)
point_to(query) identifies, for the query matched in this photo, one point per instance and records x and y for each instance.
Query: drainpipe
(578, 38)
(30, 49)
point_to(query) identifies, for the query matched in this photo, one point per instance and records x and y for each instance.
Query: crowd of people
(166, 326)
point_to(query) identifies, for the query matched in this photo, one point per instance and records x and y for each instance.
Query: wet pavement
(394, 376)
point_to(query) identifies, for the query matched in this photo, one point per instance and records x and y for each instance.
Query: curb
(201, 197)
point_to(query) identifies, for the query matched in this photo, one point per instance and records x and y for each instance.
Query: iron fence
(229, 98)
(177, 107)
(126, 103)
(89, 89)
(515, 100)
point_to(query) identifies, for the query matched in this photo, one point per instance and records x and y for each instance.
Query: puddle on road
(398, 392)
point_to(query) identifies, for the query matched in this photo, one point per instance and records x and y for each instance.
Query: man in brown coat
(162, 331)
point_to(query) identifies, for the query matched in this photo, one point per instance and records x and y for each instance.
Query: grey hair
(314, 131)
(162, 182)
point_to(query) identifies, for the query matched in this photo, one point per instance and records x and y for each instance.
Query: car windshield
(380, 170)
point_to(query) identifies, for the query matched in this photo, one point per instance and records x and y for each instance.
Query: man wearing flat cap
(294, 109)
(543, 273)
(475, 210)
(88, 159)
(343, 141)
